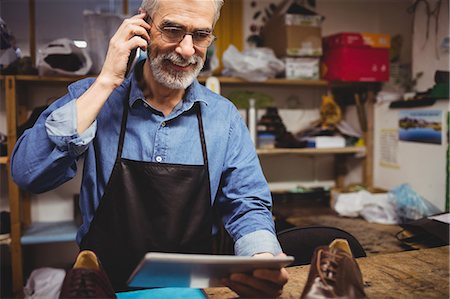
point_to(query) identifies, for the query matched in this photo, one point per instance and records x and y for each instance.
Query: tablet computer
(196, 270)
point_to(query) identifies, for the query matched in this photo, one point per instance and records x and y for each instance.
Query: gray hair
(151, 6)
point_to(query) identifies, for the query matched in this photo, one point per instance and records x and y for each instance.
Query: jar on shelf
(266, 139)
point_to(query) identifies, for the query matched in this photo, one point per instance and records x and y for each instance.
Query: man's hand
(263, 283)
(133, 33)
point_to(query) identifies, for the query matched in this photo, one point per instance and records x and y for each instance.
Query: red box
(356, 57)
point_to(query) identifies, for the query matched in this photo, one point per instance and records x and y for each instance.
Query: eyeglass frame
(213, 37)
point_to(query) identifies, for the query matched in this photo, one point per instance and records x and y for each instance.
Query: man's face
(176, 64)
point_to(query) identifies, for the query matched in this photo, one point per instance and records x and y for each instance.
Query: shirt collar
(194, 92)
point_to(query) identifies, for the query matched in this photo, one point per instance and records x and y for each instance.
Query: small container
(266, 140)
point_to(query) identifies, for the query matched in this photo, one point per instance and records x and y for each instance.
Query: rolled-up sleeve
(61, 126)
(46, 155)
(257, 242)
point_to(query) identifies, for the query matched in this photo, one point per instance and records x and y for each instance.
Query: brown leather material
(86, 279)
(334, 273)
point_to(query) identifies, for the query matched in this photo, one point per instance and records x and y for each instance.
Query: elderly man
(164, 157)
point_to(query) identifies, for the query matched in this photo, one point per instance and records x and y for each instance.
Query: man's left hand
(263, 283)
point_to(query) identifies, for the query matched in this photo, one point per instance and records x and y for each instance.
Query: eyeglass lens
(175, 35)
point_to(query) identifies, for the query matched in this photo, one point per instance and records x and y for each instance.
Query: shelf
(3, 160)
(49, 232)
(292, 186)
(223, 80)
(283, 82)
(5, 241)
(312, 151)
(62, 79)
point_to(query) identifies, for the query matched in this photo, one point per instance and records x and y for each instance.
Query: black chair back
(300, 242)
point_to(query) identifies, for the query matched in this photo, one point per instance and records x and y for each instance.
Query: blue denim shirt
(45, 156)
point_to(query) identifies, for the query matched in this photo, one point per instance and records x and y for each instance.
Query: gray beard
(175, 79)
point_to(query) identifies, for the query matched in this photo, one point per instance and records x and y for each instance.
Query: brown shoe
(86, 279)
(334, 273)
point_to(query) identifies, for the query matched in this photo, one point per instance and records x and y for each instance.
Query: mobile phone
(134, 56)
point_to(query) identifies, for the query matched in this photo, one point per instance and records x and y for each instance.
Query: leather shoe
(334, 273)
(86, 279)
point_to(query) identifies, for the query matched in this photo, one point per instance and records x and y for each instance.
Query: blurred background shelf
(49, 232)
(312, 151)
(6, 241)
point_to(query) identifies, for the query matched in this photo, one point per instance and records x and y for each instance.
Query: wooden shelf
(3, 160)
(52, 79)
(273, 82)
(6, 241)
(312, 151)
(49, 232)
(223, 80)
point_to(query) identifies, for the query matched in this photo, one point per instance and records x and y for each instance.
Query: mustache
(177, 59)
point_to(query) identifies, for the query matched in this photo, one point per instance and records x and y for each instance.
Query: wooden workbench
(420, 274)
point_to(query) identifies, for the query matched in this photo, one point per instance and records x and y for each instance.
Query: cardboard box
(293, 31)
(302, 68)
(356, 57)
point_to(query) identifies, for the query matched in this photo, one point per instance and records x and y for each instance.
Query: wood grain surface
(418, 274)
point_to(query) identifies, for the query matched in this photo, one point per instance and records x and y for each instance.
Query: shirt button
(158, 159)
(163, 124)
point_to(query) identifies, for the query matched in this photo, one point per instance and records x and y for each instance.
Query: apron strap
(202, 135)
(203, 142)
(123, 127)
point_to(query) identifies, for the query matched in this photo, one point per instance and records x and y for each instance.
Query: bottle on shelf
(252, 118)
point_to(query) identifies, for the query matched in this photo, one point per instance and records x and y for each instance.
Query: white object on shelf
(302, 68)
(213, 83)
(252, 119)
(326, 141)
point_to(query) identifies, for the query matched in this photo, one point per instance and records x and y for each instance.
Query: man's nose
(186, 47)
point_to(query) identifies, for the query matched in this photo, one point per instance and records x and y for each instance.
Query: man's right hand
(132, 33)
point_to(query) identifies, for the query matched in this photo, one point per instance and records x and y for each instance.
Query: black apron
(150, 206)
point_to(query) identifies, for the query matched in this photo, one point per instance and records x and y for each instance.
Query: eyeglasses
(174, 35)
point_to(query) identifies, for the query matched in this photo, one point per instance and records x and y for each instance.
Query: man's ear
(141, 10)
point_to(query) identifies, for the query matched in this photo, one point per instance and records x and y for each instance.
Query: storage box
(356, 57)
(293, 31)
(302, 68)
(325, 141)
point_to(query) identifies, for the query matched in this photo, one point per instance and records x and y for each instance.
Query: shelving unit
(23, 232)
